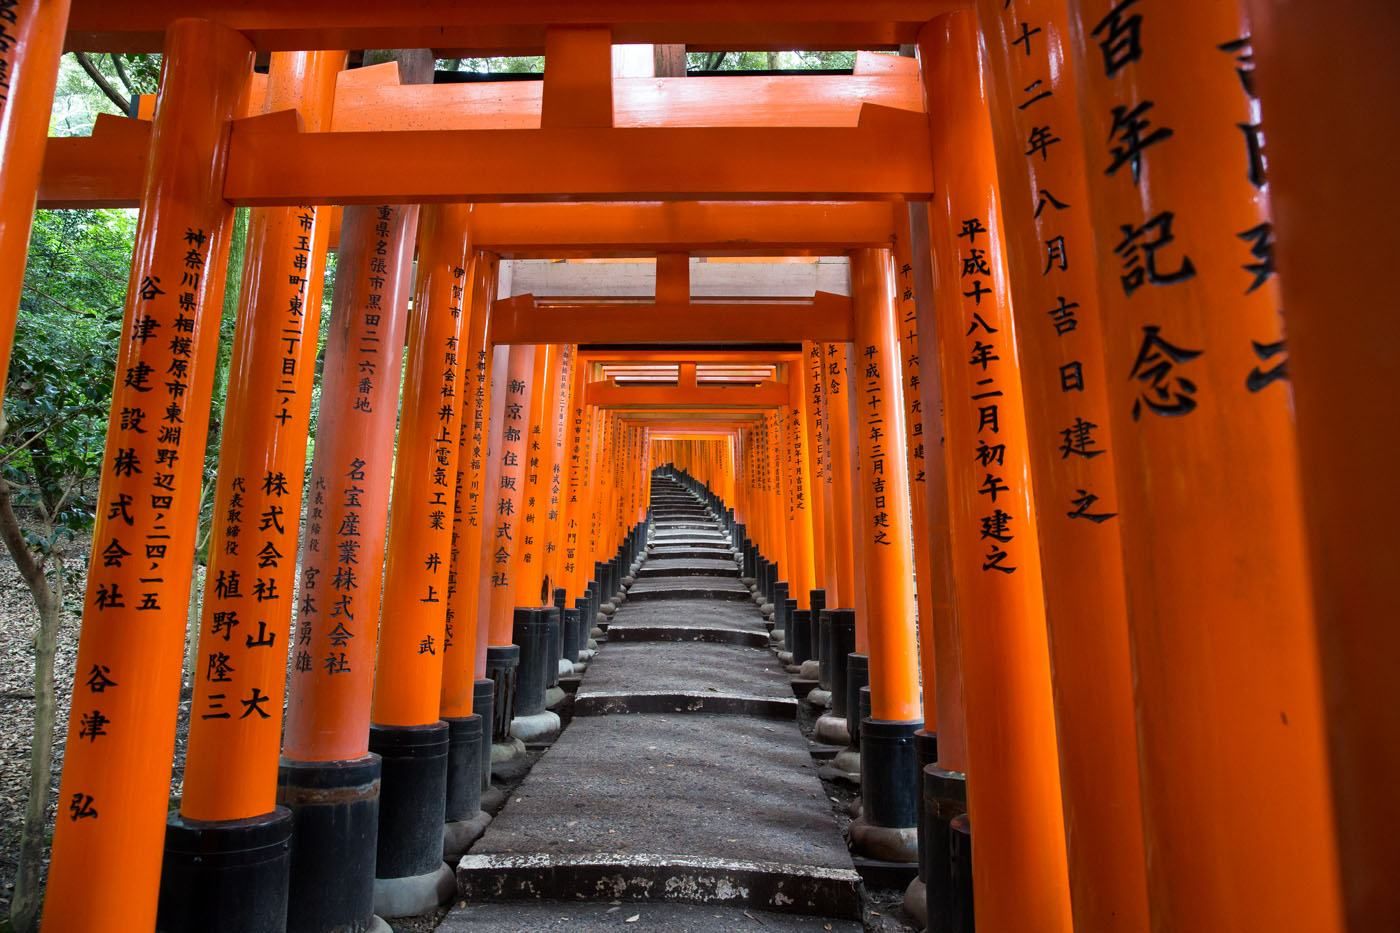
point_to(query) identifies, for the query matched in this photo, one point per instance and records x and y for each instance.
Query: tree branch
(30, 567)
(101, 81)
(121, 73)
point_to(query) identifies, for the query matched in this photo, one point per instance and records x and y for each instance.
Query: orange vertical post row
(552, 365)
(1049, 241)
(461, 629)
(505, 538)
(115, 789)
(558, 455)
(915, 451)
(808, 372)
(1221, 625)
(29, 55)
(888, 825)
(575, 499)
(799, 496)
(1019, 872)
(408, 682)
(1342, 333)
(405, 728)
(839, 441)
(231, 766)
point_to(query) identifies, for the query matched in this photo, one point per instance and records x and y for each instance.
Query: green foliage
(512, 64)
(60, 382)
(767, 61)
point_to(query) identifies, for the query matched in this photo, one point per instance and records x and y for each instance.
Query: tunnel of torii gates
(1158, 652)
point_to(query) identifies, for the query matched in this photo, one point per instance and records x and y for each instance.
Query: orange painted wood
(526, 319)
(1014, 798)
(463, 631)
(328, 712)
(115, 792)
(457, 29)
(503, 547)
(634, 164)
(747, 100)
(1341, 335)
(231, 763)
(1222, 628)
(887, 571)
(418, 562)
(1072, 451)
(577, 88)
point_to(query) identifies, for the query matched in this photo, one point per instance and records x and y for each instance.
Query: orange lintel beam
(606, 164)
(481, 27)
(609, 395)
(826, 317)
(706, 355)
(376, 101)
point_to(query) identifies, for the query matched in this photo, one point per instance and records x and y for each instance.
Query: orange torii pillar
(466, 693)
(329, 778)
(226, 864)
(798, 522)
(31, 44)
(1219, 597)
(535, 621)
(926, 738)
(1020, 876)
(819, 494)
(943, 794)
(553, 531)
(412, 742)
(838, 625)
(887, 827)
(116, 776)
(1049, 235)
(1342, 333)
(505, 536)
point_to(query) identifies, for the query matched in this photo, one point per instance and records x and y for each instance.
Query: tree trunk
(24, 907)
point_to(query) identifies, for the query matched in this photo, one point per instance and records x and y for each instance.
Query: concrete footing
(541, 727)
(916, 903)
(418, 894)
(844, 767)
(887, 843)
(810, 670)
(830, 729)
(819, 698)
(553, 696)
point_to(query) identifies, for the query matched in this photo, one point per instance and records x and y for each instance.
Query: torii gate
(1187, 616)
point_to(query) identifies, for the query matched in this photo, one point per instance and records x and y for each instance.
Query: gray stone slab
(690, 588)
(631, 702)
(597, 916)
(690, 806)
(679, 667)
(664, 567)
(681, 552)
(691, 613)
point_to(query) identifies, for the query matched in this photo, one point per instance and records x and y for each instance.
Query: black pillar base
(573, 621)
(503, 667)
(800, 622)
(483, 702)
(412, 798)
(464, 740)
(226, 877)
(889, 773)
(817, 599)
(842, 644)
(823, 626)
(925, 754)
(945, 798)
(857, 677)
(961, 919)
(335, 828)
(556, 647)
(531, 634)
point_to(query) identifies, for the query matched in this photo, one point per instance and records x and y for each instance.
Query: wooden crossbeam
(522, 319)
(611, 395)
(490, 27)
(884, 157)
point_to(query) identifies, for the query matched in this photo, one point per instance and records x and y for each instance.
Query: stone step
(574, 916)
(662, 567)
(687, 588)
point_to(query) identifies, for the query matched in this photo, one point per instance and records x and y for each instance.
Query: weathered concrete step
(599, 703)
(574, 916)
(690, 540)
(688, 667)
(701, 633)
(662, 567)
(677, 552)
(687, 587)
(694, 808)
